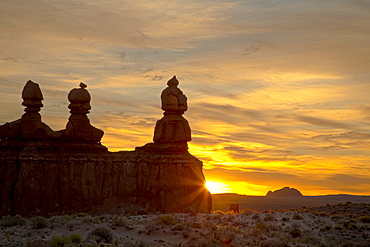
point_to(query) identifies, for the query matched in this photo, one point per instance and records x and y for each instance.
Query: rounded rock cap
(32, 95)
(79, 98)
(79, 95)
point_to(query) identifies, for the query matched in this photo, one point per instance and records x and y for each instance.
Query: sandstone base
(44, 179)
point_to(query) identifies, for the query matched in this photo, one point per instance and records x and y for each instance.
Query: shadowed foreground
(319, 226)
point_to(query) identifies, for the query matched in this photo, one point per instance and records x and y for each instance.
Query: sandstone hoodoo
(286, 191)
(173, 127)
(78, 126)
(46, 172)
(29, 126)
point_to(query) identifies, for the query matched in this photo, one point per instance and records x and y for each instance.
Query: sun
(217, 187)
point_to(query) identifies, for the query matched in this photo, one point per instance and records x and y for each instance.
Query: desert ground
(341, 224)
(264, 203)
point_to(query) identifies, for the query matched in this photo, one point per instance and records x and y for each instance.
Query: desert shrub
(191, 210)
(178, 227)
(274, 243)
(137, 243)
(337, 217)
(338, 227)
(13, 221)
(75, 238)
(32, 243)
(119, 220)
(269, 217)
(262, 227)
(68, 216)
(167, 219)
(71, 226)
(247, 211)
(230, 218)
(101, 219)
(100, 234)
(365, 219)
(217, 217)
(346, 224)
(210, 225)
(351, 216)
(297, 217)
(256, 217)
(323, 214)
(185, 234)
(39, 222)
(274, 227)
(311, 240)
(295, 232)
(81, 215)
(197, 225)
(89, 219)
(56, 219)
(353, 226)
(285, 219)
(87, 244)
(225, 235)
(61, 241)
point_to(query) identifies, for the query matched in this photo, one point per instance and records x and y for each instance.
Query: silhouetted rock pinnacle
(173, 127)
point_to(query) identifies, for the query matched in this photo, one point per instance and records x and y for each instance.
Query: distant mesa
(286, 191)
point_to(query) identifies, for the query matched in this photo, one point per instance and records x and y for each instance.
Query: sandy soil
(344, 224)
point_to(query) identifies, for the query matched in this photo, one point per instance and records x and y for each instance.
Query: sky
(278, 90)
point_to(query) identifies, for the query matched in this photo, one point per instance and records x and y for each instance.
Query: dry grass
(344, 224)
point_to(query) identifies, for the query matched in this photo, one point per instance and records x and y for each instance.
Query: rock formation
(29, 126)
(286, 191)
(46, 172)
(173, 127)
(234, 208)
(78, 126)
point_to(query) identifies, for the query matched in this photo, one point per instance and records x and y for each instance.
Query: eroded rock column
(78, 126)
(173, 127)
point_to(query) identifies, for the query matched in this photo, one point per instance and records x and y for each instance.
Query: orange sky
(278, 90)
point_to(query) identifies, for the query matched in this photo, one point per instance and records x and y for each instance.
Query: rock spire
(78, 127)
(173, 127)
(29, 126)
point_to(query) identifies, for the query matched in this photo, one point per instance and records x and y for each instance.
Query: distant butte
(286, 191)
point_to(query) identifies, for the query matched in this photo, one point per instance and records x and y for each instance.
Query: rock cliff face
(46, 172)
(286, 191)
(40, 181)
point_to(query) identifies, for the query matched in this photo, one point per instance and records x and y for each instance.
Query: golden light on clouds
(278, 92)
